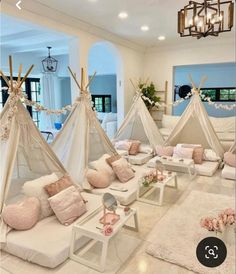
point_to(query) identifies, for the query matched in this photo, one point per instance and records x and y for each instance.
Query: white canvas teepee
(194, 126)
(24, 152)
(139, 125)
(82, 138)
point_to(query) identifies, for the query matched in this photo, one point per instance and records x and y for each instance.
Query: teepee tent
(24, 152)
(139, 124)
(194, 126)
(82, 139)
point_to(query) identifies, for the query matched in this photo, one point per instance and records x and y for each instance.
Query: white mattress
(48, 242)
(229, 172)
(139, 159)
(125, 198)
(207, 168)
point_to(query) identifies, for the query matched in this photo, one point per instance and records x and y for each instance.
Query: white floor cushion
(229, 172)
(207, 168)
(47, 243)
(139, 159)
(125, 198)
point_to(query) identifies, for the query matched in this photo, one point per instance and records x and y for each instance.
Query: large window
(102, 103)
(32, 88)
(220, 94)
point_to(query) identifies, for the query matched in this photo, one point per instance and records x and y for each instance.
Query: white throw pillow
(35, 188)
(183, 152)
(210, 155)
(144, 148)
(102, 165)
(123, 145)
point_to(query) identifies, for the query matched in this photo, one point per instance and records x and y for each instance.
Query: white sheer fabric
(49, 88)
(139, 125)
(194, 127)
(81, 140)
(24, 155)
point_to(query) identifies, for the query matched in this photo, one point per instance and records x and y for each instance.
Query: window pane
(33, 96)
(32, 86)
(210, 93)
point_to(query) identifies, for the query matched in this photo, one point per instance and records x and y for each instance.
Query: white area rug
(176, 236)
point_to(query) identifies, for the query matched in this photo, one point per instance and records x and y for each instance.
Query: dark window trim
(218, 89)
(103, 100)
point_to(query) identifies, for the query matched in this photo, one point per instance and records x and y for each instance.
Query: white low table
(142, 196)
(171, 162)
(90, 229)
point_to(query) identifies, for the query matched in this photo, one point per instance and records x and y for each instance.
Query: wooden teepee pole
(132, 83)
(5, 78)
(192, 82)
(73, 75)
(11, 72)
(82, 79)
(26, 75)
(90, 80)
(203, 80)
(19, 74)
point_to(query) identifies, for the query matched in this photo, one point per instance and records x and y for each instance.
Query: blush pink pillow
(230, 159)
(68, 205)
(98, 179)
(134, 148)
(198, 155)
(183, 152)
(22, 216)
(164, 151)
(58, 186)
(122, 170)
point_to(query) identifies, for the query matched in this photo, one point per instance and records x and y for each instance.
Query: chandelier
(208, 18)
(49, 63)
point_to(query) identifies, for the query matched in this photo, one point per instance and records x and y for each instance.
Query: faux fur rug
(176, 236)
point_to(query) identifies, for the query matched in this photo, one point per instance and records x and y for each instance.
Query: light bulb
(123, 15)
(145, 28)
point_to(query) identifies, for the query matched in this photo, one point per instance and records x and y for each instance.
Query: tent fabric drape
(26, 155)
(194, 127)
(139, 125)
(81, 140)
(48, 99)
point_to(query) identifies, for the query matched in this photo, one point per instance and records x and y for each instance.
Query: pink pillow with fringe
(98, 179)
(164, 151)
(22, 216)
(230, 159)
(122, 170)
(68, 205)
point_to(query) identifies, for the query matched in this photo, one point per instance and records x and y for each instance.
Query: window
(220, 94)
(102, 103)
(32, 88)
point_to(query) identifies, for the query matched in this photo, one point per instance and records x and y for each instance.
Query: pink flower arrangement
(107, 230)
(218, 224)
(149, 178)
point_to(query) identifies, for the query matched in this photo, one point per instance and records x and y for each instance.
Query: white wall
(159, 63)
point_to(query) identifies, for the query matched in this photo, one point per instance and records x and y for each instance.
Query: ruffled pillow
(22, 216)
(123, 145)
(98, 179)
(183, 152)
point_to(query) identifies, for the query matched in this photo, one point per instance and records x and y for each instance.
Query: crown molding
(40, 14)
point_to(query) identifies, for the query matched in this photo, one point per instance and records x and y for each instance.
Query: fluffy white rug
(178, 233)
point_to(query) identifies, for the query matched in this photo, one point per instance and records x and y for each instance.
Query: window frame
(103, 96)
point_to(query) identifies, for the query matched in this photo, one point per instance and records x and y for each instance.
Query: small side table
(142, 197)
(89, 228)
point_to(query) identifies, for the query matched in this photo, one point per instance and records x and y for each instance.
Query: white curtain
(49, 98)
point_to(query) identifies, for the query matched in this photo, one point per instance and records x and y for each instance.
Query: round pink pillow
(98, 179)
(230, 159)
(24, 215)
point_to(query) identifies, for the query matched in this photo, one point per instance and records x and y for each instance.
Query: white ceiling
(159, 15)
(19, 36)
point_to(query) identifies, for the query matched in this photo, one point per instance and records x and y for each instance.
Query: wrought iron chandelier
(49, 63)
(208, 18)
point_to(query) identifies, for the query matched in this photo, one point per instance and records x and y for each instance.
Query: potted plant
(149, 91)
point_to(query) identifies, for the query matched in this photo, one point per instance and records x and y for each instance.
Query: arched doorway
(107, 87)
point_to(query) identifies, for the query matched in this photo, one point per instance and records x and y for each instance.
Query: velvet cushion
(24, 215)
(183, 152)
(68, 205)
(164, 150)
(35, 188)
(112, 159)
(134, 148)
(198, 155)
(61, 184)
(230, 159)
(102, 165)
(98, 179)
(123, 145)
(123, 170)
